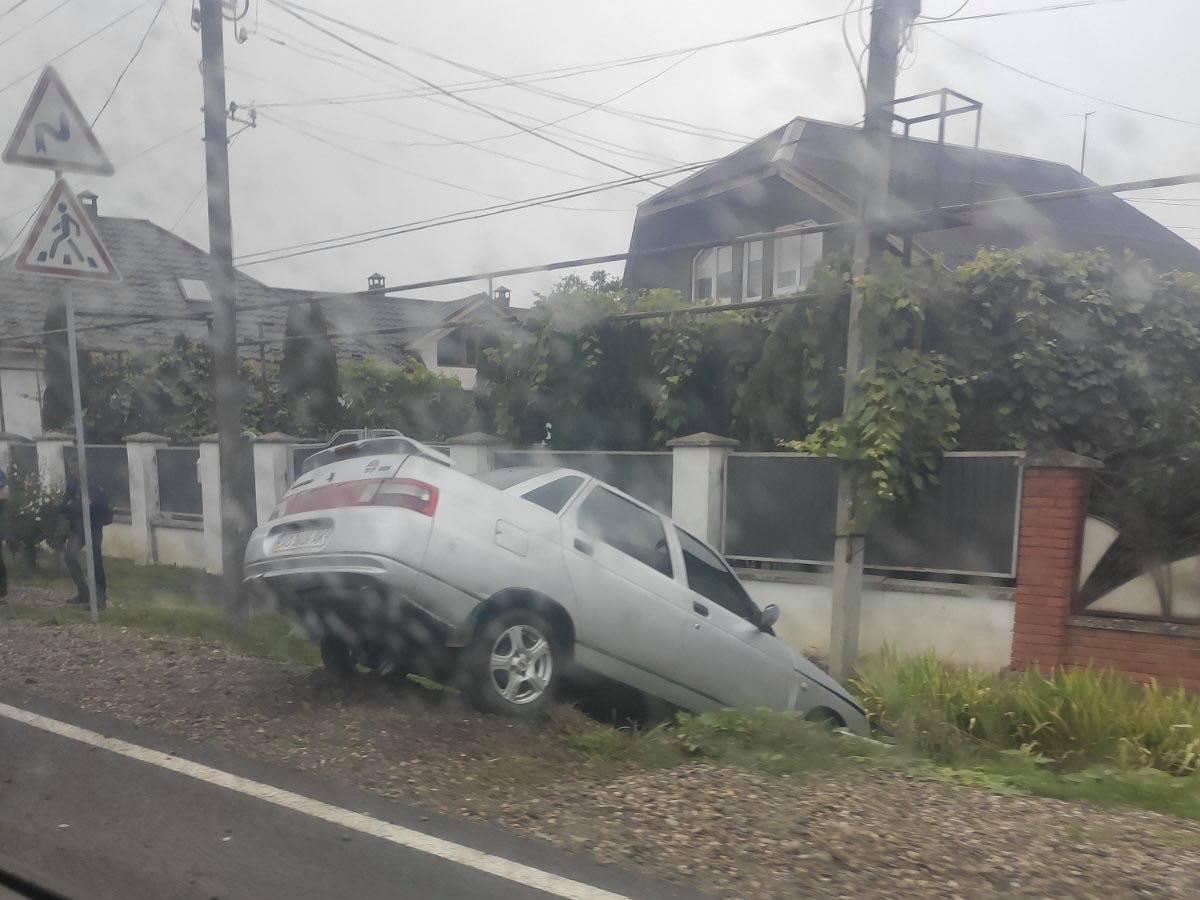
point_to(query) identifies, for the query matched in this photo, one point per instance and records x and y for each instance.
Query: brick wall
(1053, 508)
(1168, 658)
(1045, 633)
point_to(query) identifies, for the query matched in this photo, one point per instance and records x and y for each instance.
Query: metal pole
(1083, 152)
(227, 387)
(85, 499)
(887, 20)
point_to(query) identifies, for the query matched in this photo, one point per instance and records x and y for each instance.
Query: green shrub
(33, 515)
(1074, 717)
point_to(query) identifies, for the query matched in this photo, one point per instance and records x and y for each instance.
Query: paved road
(89, 821)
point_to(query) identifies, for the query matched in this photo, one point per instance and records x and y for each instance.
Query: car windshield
(467, 449)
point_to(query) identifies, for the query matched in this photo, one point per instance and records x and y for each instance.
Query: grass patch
(1075, 718)
(162, 600)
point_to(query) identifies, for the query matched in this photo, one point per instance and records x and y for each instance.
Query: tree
(407, 397)
(58, 405)
(308, 374)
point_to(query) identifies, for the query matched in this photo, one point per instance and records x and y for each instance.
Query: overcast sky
(312, 171)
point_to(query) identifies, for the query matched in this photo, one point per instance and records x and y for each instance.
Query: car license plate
(301, 540)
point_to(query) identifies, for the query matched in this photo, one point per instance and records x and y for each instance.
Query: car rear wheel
(515, 664)
(338, 658)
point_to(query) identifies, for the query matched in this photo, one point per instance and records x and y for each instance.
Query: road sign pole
(85, 499)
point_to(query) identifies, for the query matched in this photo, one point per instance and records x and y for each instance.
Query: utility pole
(889, 18)
(227, 387)
(1083, 152)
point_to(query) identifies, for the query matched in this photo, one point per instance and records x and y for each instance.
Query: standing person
(3, 534)
(101, 515)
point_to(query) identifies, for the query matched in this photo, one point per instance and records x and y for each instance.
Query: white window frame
(194, 290)
(762, 260)
(714, 273)
(807, 241)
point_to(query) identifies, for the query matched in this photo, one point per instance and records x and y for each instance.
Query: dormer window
(712, 275)
(195, 290)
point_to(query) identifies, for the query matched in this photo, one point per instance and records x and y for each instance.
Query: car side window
(626, 527)
(711, 578)
(554, 494)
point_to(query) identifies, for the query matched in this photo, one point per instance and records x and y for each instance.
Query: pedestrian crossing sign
(64, 241)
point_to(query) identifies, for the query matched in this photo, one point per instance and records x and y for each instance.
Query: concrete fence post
(5, 456)
(272, 471)
(141, 453)
(1054, 489)
(697, 483)
(210, 502)
(52, 467)
(475, 452)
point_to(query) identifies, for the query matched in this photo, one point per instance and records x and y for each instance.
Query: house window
(459, 348)
(752, 270)
(797, 258)
(195, 290)
(712, 275)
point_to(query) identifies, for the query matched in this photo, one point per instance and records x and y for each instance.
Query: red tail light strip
(407, 493)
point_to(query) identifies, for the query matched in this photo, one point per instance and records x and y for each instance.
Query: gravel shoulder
(855, 832)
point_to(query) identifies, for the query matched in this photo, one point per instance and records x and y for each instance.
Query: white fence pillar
(141, 452)
(5, 456)
(272, 471)
(697, 489)
(52, 468)
(210, 502)
(474, 453)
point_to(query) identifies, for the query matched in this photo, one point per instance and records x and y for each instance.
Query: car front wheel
(516, 663)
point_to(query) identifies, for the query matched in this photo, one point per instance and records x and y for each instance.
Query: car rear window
(554, 495)
(503, 479)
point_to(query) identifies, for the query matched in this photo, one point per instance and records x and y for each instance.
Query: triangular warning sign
(53, 134)
(64, 241)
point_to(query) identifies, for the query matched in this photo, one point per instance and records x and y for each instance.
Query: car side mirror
(768, 617)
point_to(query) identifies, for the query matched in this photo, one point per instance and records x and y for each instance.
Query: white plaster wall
(19, 397)
(974, 628)
(119, 541)
(179, 546)
(465, 374)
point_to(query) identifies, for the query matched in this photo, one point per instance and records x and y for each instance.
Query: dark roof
(151, 259)
(819, 158)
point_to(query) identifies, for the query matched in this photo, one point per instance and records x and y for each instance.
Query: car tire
(514, 665)
(338, 658)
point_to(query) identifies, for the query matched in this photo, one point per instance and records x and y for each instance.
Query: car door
(629, 619)
(726, 655)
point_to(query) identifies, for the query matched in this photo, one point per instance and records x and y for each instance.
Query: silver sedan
(392, 558)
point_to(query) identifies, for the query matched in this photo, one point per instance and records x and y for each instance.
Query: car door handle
(700, 608)
(583, 546)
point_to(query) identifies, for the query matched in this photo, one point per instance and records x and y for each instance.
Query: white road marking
(548, 882)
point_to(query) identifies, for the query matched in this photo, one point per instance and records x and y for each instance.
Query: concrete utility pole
(888, 21)
(1083, 151)
(227, 387)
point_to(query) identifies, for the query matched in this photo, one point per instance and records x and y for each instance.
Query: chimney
(375, 282)
(502, 296)
(88, 199)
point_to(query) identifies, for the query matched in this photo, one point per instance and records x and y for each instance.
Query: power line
(1003, 13)
(77, 44)
(450, 218)
(29, 25)
(13, 8)
(137, 50)
(441, 90)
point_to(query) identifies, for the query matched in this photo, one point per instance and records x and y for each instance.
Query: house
(164, 278)
(804, 173)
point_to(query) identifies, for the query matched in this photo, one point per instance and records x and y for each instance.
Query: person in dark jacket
(101, 515)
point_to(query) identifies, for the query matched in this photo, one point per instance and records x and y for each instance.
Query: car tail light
(408, 493)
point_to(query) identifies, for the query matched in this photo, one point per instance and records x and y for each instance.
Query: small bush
(1074, 717)
(33, 514)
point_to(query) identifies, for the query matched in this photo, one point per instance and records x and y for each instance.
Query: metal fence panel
(780, 507)
(179, 481)
(646, 476)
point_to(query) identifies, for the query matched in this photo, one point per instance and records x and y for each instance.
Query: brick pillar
(1053, 508)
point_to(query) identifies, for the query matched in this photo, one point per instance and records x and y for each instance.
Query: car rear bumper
(361, 597)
